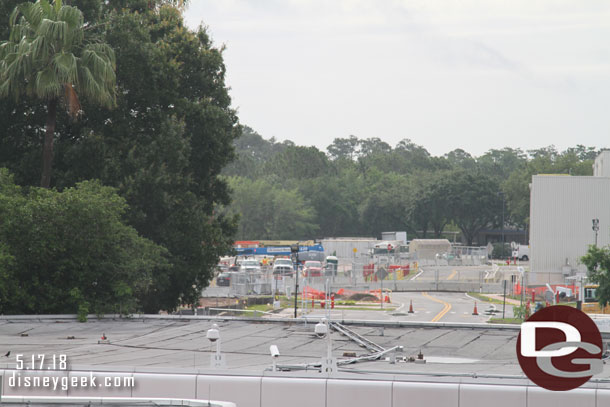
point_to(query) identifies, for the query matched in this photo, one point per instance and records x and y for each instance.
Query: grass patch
(385, 308)
(411, 275)
(484, 298)
(345, 302)
(260, 307)
(516, 321)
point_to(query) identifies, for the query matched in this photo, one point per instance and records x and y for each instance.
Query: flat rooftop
(154, 344)
(151, 344)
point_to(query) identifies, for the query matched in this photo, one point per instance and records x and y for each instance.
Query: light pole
(195, 306)
(502, 194)
(436, 256)
(295, 250)
(595, 229)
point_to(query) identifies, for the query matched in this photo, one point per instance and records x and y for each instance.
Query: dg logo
(560, 348)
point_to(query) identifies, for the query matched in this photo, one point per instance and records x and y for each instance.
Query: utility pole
(595, 229)
(503, 223)
(436, 271)
(502, 194)
(295, 250)
(504, 302)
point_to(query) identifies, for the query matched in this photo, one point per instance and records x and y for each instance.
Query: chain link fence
(365, 272)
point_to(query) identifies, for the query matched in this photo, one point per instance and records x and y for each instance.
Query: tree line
(361, 187)
(123, 113)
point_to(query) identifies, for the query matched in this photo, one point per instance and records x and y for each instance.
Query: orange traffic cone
(475, 312)
(411, 307)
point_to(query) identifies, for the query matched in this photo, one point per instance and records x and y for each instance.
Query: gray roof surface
(156, 344)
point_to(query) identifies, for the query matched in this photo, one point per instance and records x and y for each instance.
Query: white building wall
(561, 211)
(601, 166)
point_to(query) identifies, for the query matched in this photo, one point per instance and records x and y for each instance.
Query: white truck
(521, 251)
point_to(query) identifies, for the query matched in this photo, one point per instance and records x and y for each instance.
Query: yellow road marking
(453, 274)
(443, 312)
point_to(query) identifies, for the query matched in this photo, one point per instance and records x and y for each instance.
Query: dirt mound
(362, 297)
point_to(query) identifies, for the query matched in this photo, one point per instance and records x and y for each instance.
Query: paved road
(445, 307)
(427, 306)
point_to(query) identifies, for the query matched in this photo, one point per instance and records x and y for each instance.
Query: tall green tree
(163, 147)
(297, 163)
(252, 152)
(475, 202)
(459, 158)
(501, 163)
(430, 202)
(268, 212)
(597, 261)
(384, 203)
(47, 58)
(336, 199)
(71, 251)
(344, 148)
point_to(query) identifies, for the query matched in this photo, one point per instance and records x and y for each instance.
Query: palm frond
(104, 50)
(53, 30)
(75, 22)
(47, 84)
(46, 7)
(72, 16)
(65, 67)
(18, 66)
(99, 64)
(102, 93)
(41, 48)
(5, 88)
(20, 10)
(87, 83)
(7, 47)
(18, 31)
(44, 57)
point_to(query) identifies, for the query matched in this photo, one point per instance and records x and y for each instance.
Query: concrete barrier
(270, 389)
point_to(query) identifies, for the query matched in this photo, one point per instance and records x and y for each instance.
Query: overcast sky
(446, 74)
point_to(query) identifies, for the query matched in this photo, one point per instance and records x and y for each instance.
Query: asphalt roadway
(427, 307)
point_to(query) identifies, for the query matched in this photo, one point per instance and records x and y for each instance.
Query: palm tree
(47, 57)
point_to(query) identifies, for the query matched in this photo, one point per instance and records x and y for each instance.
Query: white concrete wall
(561, 210)
(316, 390)
(601, 166)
